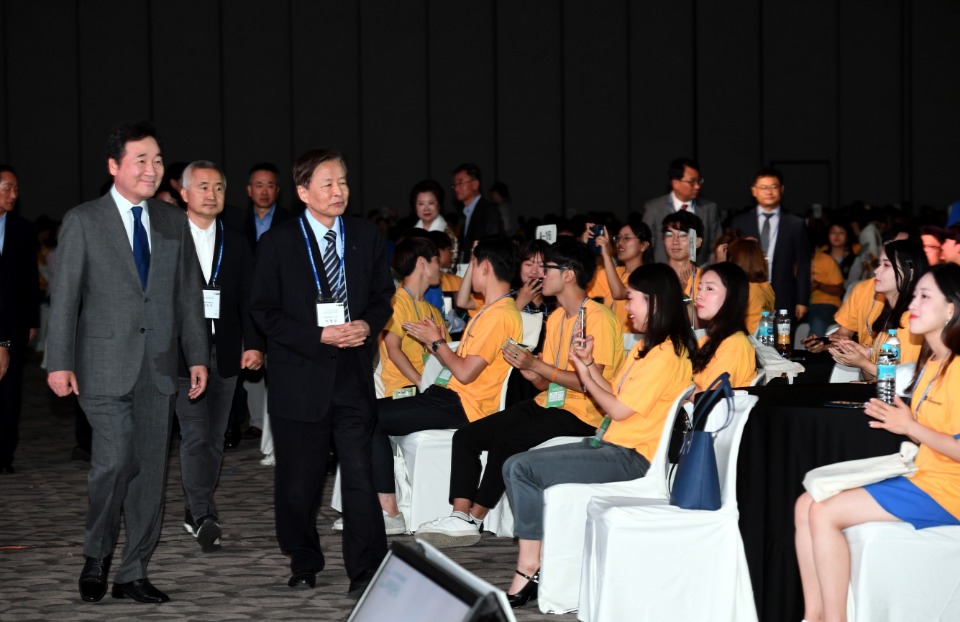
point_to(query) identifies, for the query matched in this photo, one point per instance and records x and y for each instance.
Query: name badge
(444, 377)
(556, 395)
(211, 303)
(330, 314)
(399, 394)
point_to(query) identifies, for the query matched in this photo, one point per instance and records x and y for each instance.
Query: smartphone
(592, 242)
(582, 321)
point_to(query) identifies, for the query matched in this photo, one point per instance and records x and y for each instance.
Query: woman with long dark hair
(637, 410)
(931, 497)
(721, 305)
(876, 306)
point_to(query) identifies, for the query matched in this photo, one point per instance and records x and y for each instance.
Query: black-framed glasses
(694, 182)
(553, 266)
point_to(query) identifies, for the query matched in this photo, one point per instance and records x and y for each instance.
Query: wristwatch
(6, 344)
(433, 346)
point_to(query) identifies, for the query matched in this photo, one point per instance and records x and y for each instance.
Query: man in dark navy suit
(481, 218)
(321, 296)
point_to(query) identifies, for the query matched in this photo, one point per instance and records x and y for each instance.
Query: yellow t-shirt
(864, 305)
(735, 355)
(938, 475)
(450, 282)
(599, 286)
(824, 269)
(619, 307)
(483, 337)
(607, 351)
(649, 387)
(759, 299)
(405, 309)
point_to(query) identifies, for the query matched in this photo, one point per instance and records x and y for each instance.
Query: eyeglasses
(462, 182)
(680, 234)
(553, 266)
(624, 238)
(773, 187)
(694, 182)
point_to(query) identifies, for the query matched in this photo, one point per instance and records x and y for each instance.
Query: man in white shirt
(227, 267)
(685, 186)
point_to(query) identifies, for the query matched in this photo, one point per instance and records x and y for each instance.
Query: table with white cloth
(789, 432)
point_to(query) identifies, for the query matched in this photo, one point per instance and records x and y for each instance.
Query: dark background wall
(577, 105)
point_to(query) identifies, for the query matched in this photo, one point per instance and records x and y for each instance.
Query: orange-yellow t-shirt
(450, 282)
(824, 269)
(759, 299)
(599, 286)
(861, 308)
(484, 335)
(938, 475)
(735, 355)
(405, 309)
(649, 387)
(607, 351)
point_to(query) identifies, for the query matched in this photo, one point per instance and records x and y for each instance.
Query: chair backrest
(431, 369)
(726, 443)
(803, 330)
(757, 379)
(532, 325)
(660, 463)
(843, 373)
(904, 376)
(503, 389)
(378, 378)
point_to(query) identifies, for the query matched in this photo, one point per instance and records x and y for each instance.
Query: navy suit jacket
(303, 371)
(791, 257)
(484, 221)
(19, 283)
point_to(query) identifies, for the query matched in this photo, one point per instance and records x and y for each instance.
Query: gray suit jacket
(655, 210)
(102, 322)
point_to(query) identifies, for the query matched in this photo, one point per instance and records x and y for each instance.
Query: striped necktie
(331, 265)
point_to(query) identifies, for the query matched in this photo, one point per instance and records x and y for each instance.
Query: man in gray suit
(116, 319)
(685, 185)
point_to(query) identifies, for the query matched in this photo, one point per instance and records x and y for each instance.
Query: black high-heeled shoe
(527, 593)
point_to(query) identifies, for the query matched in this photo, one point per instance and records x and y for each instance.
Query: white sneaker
(338, 524)
(394, 525)
(458, 529)
(268, 460)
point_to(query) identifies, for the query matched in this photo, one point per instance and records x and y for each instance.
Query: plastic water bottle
(765, 331)
(782, 324)
(887, 362)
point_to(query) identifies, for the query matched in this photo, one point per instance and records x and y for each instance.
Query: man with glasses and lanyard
(321, 296)
(684, 195)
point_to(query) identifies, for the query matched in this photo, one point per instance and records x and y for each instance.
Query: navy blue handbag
(697, 482)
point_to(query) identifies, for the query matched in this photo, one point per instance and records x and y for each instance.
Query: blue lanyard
(469, 330)
(929, 386)
(216, 270)
(416, 309)
(313, 263)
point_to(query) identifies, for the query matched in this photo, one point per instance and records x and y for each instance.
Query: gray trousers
(203, 422)
(528, 474)
(128, 467)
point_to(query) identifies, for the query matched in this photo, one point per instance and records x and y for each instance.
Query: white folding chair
(532, 325)
(803, 330)
(695, 558)
(901, 573)
(564, 519)
(432, 367)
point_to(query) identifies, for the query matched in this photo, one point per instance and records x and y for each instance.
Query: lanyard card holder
(211, 303)
(330, 312)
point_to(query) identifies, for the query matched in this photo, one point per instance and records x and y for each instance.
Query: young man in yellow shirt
(468, 387)
(561, 409)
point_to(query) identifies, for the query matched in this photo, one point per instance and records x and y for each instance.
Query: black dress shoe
(527, 593)
(208, 534)
(359, 583)
(231, 438)
(303, 579)
(93, 579)
(140, 590)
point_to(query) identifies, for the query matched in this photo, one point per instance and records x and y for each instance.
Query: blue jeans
(820, 318)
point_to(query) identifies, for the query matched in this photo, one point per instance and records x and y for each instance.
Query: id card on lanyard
(557, 393)
(211, 293)
(330, 312)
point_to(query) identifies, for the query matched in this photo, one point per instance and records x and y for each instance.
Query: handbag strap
(719, 387)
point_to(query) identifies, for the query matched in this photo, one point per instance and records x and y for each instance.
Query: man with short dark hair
(321, 296)
(227, 266)
(126, 293)
(685, 184)
(783, 238)
(19, 310)
(480, 217)
(950, 248)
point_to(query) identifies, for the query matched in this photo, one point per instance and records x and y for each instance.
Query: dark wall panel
(530, 104)
(115, 80)
(256, 91)
(42, 96)
(596, 107)
(661, 74)
(187, 73)
(393, 87)
(869, 92)
(728, 99)
(462, 67)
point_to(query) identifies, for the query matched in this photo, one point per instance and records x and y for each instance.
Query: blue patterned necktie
(331, 265)
(141, 246)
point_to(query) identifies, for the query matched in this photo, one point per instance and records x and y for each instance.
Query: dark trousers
(502, 435)
(202, 424)
(301, 450)
(11, 388)
(437, 408)
(128, 467)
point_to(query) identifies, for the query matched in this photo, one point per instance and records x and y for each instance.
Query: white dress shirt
(124, 206)
(205, 241)
(678, 204)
